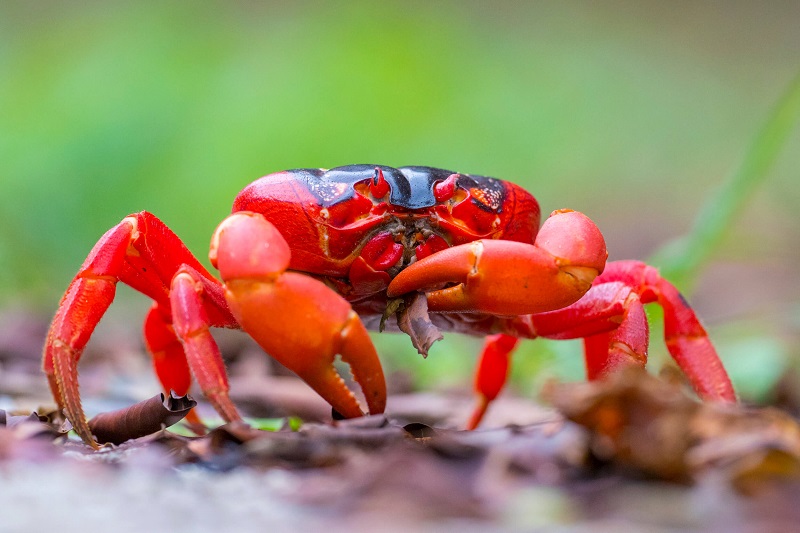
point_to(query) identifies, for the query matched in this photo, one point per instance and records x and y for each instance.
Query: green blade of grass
(680, 261)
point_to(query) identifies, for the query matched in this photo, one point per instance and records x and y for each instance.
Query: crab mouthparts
(413, 319)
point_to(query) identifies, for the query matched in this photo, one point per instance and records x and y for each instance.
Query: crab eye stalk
(444, 190)
(379, 187)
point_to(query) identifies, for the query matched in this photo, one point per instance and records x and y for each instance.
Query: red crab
(306, 252)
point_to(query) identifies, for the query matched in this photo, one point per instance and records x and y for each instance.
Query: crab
(310, 259)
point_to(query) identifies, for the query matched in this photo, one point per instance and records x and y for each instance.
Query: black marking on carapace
(409, 187)
(493, 195)
(416, 191)
(332, 186)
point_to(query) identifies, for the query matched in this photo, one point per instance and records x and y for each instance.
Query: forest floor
(634, 452)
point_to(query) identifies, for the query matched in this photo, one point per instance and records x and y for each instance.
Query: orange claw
(512, 278)
(298, 320)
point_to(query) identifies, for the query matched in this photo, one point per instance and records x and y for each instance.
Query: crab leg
(492, 373)
(684, 335)
(80, 309)
(625, 345)
(547, 285)
(166, 350)
(192, 327)
(298, 320)
(611, 319)
(143, 253)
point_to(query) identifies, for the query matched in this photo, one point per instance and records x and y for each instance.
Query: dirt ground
(632, 453)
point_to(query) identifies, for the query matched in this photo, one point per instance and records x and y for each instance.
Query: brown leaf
(27, 437)
(413, 320)
(752, 445)
(14, 420)
(140, 419)
(635, 421)
(786, 394)
(639, 422)
(419, 431)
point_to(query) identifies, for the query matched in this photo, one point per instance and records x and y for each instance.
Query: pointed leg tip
(84, 432)
(477, 414)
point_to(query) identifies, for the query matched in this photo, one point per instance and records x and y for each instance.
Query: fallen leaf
(643, 424)
(140, 419)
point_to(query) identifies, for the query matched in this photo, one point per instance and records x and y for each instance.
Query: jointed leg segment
(612, 322)
(143, 253)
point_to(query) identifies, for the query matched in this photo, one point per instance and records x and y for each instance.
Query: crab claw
(298, 320)
(511, 278)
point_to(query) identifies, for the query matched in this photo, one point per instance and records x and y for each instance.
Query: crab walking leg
(141, 252)
(625, 345)
(605, 352)
(615, 328)
(511, 278)
(86, 300)
(191, 324)
(492, 373)
(684, 335)
(298, 320)
(688, 343)
(169, 359)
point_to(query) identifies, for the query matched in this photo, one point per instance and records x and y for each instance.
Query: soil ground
(633, 453)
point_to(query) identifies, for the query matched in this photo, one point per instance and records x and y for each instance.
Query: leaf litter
(630, 451)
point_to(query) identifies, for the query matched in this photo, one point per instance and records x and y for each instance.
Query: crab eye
(378, 187)
(444, 190)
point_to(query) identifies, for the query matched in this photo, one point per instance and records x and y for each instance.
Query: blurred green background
(632, 112)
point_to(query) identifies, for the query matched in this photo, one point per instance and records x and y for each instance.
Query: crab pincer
(511, 278)
(297, 319)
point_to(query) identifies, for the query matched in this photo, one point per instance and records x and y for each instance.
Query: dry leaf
(140, 419)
